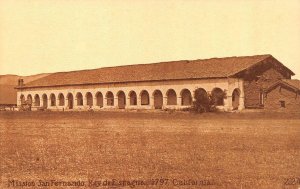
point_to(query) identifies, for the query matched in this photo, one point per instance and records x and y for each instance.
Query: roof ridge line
(161, 62)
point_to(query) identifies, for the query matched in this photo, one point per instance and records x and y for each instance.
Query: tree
(202, 102)
(206, 102)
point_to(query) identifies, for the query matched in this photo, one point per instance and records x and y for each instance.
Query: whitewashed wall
(226, 84)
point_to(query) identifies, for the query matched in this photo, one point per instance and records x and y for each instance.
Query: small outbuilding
(284, 94)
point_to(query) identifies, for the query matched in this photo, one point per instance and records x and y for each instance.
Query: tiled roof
(184, 69)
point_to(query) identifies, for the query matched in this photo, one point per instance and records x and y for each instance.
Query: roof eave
(291, 72)
(80, 84)
(284, 83)
(270, 56)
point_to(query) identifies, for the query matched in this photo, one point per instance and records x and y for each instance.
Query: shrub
(218, 98)
(202, 101)
(205, 102)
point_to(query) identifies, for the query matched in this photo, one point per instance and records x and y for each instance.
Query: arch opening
(217, 96)
(70, 99)
(171, 97)
(37, 100)
(132, 98)
(29, 99)
(45, 101)
(89, 99)
(52, 100)
(186, 98)
(22, 99)
(201, 96)
(61, 100)
(121, 100)
(158, 99)
(99, 99)
(235, 99)
(145, 100)
(110, 98)
(79, 99)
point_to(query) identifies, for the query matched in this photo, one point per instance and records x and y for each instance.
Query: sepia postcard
(149, 94)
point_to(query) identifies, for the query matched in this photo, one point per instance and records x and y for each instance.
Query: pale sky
(63, 35)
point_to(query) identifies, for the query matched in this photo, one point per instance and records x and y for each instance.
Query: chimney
(20, 82)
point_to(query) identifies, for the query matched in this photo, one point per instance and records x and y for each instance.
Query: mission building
(259, 81)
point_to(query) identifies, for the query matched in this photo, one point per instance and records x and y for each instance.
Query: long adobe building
(164, 85)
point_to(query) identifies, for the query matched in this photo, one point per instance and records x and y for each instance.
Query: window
(282, 104)
(261, 98)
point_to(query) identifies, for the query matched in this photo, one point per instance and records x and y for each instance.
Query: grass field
(162, 150)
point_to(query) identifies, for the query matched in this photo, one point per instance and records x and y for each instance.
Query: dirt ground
(149, 150)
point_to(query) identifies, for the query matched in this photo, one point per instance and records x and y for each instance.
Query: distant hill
(8, 93)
